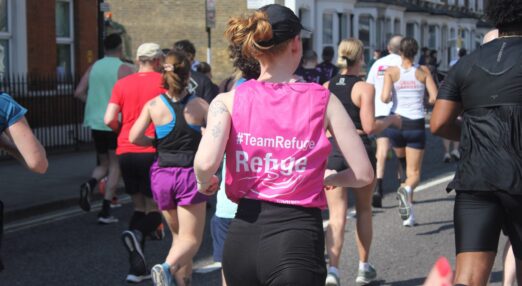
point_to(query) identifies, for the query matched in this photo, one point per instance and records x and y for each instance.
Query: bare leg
(413, 167)
(113, 176)
(101, 170)
(383, 145)
(473, 268)
(187, 241)
(364, 233)
(510, 269)
(337, 205)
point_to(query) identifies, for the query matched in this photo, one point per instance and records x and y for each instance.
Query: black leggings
(480, 216)
(272, 244)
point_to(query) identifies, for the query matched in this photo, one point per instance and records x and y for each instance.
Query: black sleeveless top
(178, 148)
(341, 86)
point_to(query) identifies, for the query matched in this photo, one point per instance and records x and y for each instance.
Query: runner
(225, 208)
(177, 117)
(358, 100)
(129, 96)
(95, 89)
(376, 77)
(410, 83)
(199, 84)
(486, 88)
(273, 130)
(18, 140)
(326, 68)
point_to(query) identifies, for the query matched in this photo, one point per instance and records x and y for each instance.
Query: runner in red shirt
(129, 95)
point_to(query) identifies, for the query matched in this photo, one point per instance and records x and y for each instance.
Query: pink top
(277, 148)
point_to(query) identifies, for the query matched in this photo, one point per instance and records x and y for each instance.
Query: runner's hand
(396, 120)
(327, 175)
(209, 188)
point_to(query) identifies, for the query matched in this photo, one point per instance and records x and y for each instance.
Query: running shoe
(161, 275)
(377, 198)
(447, 158)
(158, 234)
(404, 203)
(366, 277)
(85, 196)
(455, 154)
(138, 266)
(332, 280)
(410, 222)
(102, 219)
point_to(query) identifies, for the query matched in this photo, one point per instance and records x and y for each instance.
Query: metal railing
(53, 113)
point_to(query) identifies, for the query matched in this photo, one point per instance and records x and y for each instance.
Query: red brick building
(47, 37)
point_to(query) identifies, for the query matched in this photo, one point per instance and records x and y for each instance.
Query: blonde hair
(249, 31)
(350, 51)
(176, 77)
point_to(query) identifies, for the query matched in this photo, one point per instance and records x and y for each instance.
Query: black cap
(285, 24)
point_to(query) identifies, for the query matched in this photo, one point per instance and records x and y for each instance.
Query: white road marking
(57, 216)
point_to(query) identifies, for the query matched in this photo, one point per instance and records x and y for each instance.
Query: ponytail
(176, 72)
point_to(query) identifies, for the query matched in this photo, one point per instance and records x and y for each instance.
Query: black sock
(106, 208)
(135, 218)
(148, 223)
(378, 186)
(92, 183)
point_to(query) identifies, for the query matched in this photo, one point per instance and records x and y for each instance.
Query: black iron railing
(53, 113)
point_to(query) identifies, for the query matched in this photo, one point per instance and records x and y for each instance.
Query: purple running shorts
(174, 186)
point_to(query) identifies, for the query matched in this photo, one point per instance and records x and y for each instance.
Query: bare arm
(444, 119)
(366, 92)
(81, 90)
(341, 127)
(32, 152)
(386, 95)
(137, 133)
(7, 145)
(431, 86)
(214, 140)
(111, 117)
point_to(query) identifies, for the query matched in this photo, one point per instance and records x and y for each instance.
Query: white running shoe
(332, 280)
(410, 222)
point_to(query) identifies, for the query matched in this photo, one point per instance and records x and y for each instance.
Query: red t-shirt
(131, 93)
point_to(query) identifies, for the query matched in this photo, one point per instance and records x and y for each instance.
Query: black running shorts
(135, 172)
(104, 141)
(336, 159)
(274, 244)
(479, 216)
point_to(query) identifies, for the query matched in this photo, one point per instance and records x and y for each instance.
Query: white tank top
(408, 99)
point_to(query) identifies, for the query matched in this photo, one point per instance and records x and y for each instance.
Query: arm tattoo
(152, 103)
(217, 107)
(217, 130)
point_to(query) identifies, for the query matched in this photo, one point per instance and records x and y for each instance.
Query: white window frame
(68, 40)
(9, 36)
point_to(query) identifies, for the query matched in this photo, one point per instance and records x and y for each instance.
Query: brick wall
(167, 21)
(86, 34)
(41, 37)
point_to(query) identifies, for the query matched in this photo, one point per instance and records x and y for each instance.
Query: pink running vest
(277, 148)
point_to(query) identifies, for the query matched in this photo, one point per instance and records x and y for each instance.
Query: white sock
(408, 189)
(333, 270)
(364, 266)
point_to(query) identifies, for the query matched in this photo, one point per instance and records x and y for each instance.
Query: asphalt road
(76, 250)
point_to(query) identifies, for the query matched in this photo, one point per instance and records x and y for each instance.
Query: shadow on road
(438, 230)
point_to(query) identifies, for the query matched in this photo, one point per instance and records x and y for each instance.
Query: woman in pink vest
(273, 132)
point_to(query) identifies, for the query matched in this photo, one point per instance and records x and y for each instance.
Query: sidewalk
(25, 194)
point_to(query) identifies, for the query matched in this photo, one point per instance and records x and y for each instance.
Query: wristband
(203, 183)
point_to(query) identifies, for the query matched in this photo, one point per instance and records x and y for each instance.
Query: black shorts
(480, 216)
(135, 172)
(336, 159)
(104, 141)
(412, 134)
(274, 244)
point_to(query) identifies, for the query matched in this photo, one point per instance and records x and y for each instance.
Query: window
(432, 31)
(343, 26)
(328, 29)
(364, 34)
(410, 30)
(64, 38)
(5, 38)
